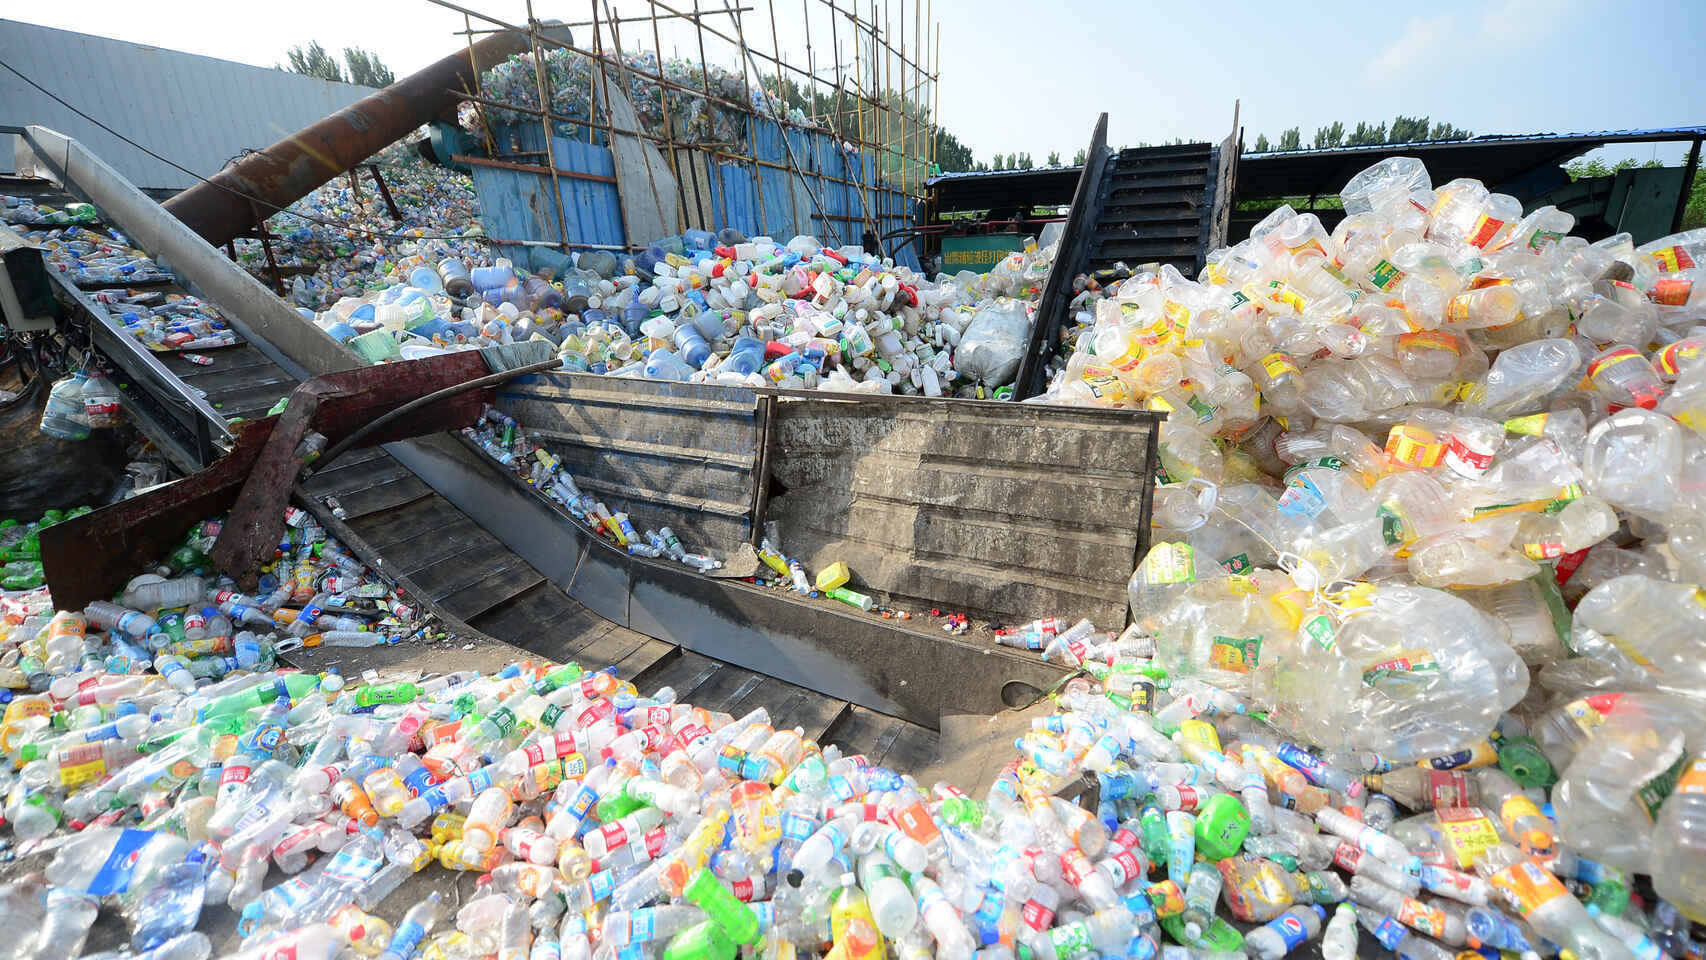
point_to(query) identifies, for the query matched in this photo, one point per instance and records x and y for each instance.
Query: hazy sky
(1028, 76)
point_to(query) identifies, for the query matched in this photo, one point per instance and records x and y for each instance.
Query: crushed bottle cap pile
(1354, 678)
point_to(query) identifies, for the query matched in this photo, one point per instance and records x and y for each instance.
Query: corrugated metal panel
(516, 205)
(1003, 510)
(680, 454)
(757, 199)
(195, 111)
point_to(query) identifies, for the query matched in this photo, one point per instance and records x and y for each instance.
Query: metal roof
(984, 189)
(1495, 159)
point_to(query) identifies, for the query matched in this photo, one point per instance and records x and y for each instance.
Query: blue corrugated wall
(515, 205)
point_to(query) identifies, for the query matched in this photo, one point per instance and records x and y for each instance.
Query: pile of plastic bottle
(25, 210)
(692, 119)
(20, 549)
(95, 258)
(502, 439)
(166, 322)
(1421, 640)
(352, 245)
(719, 309)
(169, 765)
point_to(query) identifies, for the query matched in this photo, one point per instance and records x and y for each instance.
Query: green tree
(1588, 169)
(1261, 145)
(1329, 136)
(1079, 157)
(1366, 134)
(1024, 162)
(1054, 158)
(366, 69)
(1445, 131)
(1404, 129)
(314, 61)
(1000, 162)
(1290, 140)
(951, 154)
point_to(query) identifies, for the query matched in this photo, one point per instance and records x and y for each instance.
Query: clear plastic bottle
(1285, 933)
(1537, 897)
(1679, 843)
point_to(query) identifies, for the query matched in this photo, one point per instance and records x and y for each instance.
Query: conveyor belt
(242, 382)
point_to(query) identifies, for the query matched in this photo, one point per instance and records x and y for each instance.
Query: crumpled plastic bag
(994, 342)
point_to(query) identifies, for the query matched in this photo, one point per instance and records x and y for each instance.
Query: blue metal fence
(517, 213)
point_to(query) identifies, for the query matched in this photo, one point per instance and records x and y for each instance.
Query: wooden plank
(860, 730)
(806, 709)
(545, 620)
(385, 496)
(912, 748)
(683, 672)
(419, 518)
(643, 658)
(458, 571)
(494, 587)
(343, 479)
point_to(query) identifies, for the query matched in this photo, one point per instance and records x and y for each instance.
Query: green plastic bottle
(703, 941)
(1221, 827)
(400, 692)
(735, 919)
(260, 695)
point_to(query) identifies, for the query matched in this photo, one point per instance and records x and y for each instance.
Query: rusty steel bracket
(336, 405)
(94, 556)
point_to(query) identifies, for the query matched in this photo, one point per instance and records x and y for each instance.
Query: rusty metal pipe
(262, 183)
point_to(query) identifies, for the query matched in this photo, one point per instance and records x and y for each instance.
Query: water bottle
(691, 343)
(65, 415)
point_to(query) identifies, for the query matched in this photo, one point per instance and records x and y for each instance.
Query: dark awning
(1495, 160)
(982, 190)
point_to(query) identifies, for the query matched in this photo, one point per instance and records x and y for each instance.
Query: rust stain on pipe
(221, 209)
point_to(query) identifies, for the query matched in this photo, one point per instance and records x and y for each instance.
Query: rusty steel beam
(225, 206)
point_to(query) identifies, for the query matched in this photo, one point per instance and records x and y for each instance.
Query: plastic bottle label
(1385, 277)
(1319, 628)
(1390, 933)
(1302, 499)
(1447, 788)
(1693, 780)
(1291, 929)
(1410, 663)
(1170, 563)
(915, 822)
(1652, 794)
(81, 764)
(1528, 886)
(114, 875)
(1125, 866)
(1419, 916)
(1466, 463)
(1486, 228)
(1071, 940)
